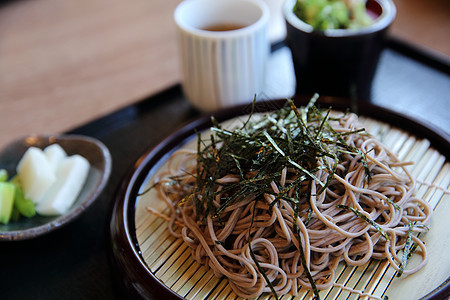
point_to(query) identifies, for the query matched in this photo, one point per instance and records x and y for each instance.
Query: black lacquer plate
(139, 282)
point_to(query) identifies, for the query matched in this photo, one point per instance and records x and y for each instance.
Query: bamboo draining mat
(170, 259)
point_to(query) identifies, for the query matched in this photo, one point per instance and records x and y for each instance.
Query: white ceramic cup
(222, 68)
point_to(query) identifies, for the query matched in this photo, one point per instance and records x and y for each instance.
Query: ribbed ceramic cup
(222, 68)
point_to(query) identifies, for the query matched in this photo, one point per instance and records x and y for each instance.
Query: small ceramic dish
(93, 150)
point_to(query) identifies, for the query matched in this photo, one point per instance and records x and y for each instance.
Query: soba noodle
(261, 242)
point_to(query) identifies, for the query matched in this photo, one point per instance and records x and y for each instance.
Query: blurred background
(64, 63)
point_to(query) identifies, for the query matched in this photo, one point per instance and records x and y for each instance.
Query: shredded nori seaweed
(258, 151)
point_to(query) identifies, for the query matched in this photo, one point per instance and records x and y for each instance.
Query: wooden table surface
(64, 63)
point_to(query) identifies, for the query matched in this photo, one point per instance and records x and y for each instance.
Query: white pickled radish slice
(54, 153)
(71, 176)
(35, 173)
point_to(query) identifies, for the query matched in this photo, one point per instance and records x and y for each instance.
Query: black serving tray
(74, 263)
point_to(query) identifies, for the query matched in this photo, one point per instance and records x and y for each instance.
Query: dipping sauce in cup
(224, 50)
(223, 27)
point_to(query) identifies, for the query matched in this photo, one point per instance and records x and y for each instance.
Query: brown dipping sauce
(223, 27)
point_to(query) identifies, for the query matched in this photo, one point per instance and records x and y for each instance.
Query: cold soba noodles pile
(277, 203)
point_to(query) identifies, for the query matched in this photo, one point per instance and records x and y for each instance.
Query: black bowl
(337, 62)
